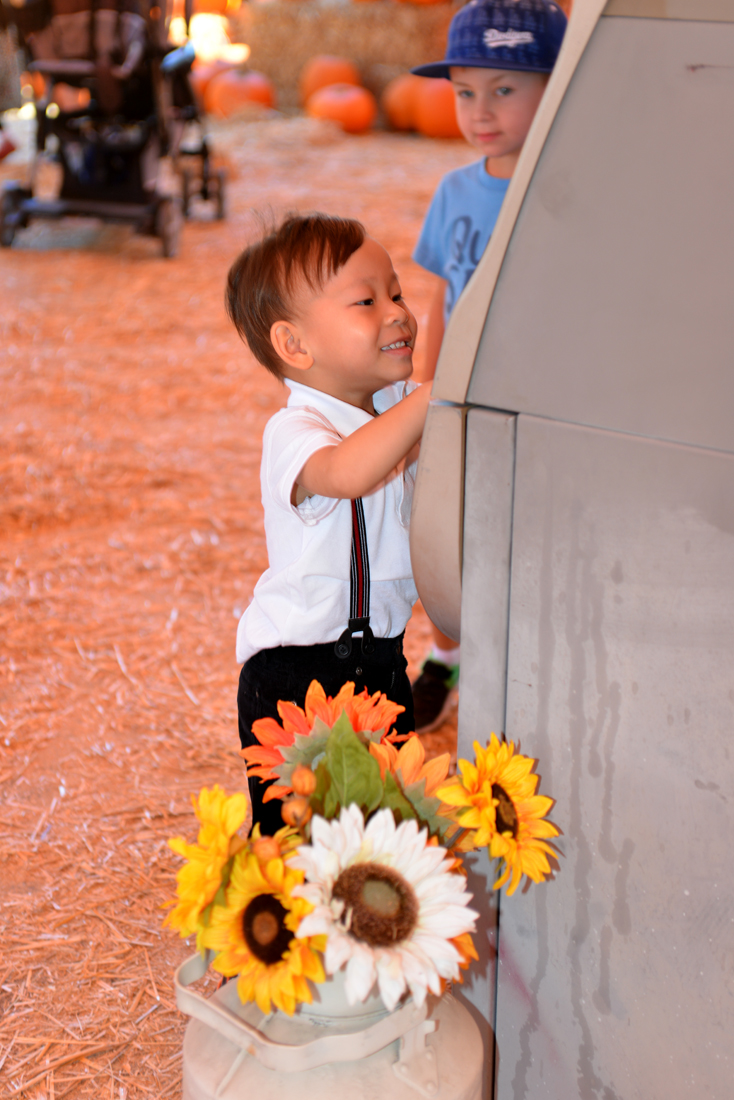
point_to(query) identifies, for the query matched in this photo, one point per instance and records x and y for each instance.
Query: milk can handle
(286, 1057)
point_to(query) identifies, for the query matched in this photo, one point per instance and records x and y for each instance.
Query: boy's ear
(286, 340)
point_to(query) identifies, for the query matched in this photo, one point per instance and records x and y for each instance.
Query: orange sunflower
(409, 760)
(366, 713)
(495, 799)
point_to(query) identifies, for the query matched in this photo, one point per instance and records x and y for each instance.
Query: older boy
(498, 57)
(319, 304)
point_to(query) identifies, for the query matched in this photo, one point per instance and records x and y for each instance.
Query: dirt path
(131, 539)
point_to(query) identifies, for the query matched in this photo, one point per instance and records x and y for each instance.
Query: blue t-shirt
(458, 226)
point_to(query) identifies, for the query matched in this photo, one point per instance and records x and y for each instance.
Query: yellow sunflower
(495, 798)
(254, 933)
(198, 881)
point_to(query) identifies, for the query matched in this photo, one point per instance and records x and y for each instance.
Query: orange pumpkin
(203, 73)
(354, 108)
(208, 7)
(325, 69)
(36, 82)
(229, 91)
(425, 1)
(398, 101)
(70, 98)
(435, 109)
(202, 7)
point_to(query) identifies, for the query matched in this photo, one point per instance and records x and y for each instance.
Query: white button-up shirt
(303, 596)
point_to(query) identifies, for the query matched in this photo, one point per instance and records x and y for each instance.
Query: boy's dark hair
(310, 247)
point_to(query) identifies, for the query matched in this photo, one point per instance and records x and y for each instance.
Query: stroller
(134, 106)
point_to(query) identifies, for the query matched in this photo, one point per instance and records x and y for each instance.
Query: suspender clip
(343, 647)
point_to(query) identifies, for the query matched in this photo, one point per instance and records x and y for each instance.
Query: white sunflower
(387, 902)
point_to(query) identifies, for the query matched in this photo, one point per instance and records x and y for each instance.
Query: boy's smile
(401, 347)
(494, 110)
(352, 336)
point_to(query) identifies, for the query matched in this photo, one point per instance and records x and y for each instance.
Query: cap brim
(436, 68)
(441, 68)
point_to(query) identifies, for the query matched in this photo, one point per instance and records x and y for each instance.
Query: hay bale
(383, 38)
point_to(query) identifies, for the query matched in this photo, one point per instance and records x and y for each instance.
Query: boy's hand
(364, 459)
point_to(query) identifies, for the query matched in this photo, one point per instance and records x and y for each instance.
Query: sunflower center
(380, 905)
(505, 814)
(264, 928)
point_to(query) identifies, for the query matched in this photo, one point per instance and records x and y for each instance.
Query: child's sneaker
(6, 146)
(433, 694)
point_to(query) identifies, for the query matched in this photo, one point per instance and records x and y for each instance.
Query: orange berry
(296, 812)
(303, 780)
(266, 848)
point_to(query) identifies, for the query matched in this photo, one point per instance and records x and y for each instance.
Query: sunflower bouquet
(366, 875)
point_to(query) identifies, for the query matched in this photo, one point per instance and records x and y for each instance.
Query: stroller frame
(105, 156)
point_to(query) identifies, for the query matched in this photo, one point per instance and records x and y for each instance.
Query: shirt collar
(493, 183)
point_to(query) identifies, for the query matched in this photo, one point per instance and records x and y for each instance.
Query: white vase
(328, 1050)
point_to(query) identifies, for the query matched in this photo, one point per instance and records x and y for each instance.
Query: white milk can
(327, 1050)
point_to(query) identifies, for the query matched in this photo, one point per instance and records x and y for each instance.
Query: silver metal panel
(613, 305)
(436, 519)
(478, 989)
(490, 458)
(616, 980)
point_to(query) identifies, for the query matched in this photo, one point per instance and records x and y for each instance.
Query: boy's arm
(434, 330)
(360, 462)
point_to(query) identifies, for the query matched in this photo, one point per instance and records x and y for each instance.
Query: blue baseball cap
(502, 34)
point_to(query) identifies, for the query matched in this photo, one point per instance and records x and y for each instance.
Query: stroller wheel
(7, 232)
(11, 201)
(221, 204)
(168, 225)
(187, 189)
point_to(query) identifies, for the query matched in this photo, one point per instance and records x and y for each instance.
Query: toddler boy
(319, 304)
(498, 57)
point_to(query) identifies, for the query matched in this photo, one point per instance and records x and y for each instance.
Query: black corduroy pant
(286, 672)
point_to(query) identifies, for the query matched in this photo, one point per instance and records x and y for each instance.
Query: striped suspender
(359, 588)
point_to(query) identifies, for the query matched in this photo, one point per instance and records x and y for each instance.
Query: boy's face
(494, 110)
(355, 334)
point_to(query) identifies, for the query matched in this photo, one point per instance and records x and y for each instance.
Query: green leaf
(319, 729)
(225, 876)
(220, 898)
(374, 736)
(394, 799)
(355, 774)
(426, 808)
(304, 750)
(317, 800)
(342, 725)
(331, 804)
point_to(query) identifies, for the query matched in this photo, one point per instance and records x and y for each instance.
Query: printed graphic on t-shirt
(458, 225)
(465, 250)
